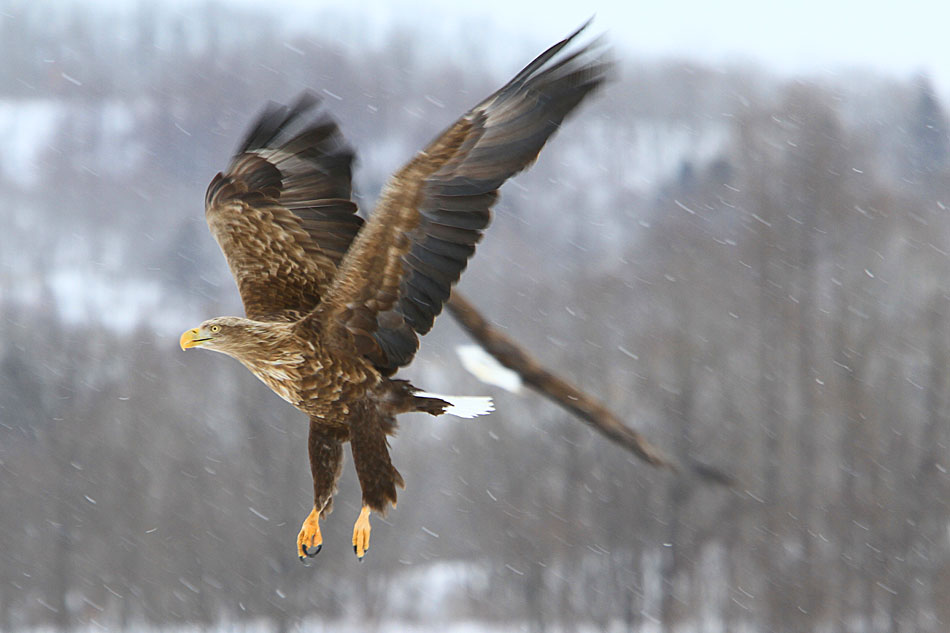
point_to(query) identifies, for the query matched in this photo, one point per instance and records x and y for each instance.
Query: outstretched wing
(401, 267)
(282, 212)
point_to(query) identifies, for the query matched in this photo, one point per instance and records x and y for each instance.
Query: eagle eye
(215, 329)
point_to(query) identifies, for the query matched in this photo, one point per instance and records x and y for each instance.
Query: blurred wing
(401, 267)
(282, 212)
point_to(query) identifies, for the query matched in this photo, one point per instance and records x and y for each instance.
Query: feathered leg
(378, 477)
(326, 464)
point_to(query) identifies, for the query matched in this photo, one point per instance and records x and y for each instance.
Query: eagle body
(303, 371)
(315, 378)
(334, 304)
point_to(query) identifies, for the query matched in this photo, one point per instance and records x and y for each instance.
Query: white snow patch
(81, 296)
(26, 128)
(84, 297)
(28, 132)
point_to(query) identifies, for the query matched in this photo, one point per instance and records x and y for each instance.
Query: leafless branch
(512, 356)
(587, 408)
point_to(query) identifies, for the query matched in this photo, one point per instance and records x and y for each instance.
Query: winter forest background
(752, 270)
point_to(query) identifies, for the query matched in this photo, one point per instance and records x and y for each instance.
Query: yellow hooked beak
(192, 338)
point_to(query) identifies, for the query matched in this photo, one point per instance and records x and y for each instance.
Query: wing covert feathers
(282, 212)
(402, 265)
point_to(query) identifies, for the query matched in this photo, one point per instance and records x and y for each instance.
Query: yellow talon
(309, 540)
(361, 533)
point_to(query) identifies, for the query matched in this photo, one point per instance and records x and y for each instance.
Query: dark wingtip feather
(541, 59)
(274, 121)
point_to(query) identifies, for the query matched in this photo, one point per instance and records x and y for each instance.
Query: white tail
(463, 406)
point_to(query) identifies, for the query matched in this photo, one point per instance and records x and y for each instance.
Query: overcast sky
(815, 36)
(899, 38)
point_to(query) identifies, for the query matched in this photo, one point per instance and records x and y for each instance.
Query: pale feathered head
(234, 336)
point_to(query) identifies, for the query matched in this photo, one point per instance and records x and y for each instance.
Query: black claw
(355, 552)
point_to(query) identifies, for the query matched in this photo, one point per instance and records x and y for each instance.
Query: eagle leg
(326, 464)
(309, 540)
(377, 475)
(361, 532)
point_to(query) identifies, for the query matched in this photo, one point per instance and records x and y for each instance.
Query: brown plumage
(334, 306)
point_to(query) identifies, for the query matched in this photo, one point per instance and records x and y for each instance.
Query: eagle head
(229, 335)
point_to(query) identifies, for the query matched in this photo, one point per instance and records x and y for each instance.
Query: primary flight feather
(334, 305)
